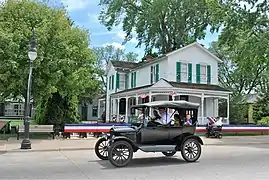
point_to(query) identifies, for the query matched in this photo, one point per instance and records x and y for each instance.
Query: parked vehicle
(120, 143)
(214, 128)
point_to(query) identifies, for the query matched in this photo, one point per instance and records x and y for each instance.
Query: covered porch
(121, 102)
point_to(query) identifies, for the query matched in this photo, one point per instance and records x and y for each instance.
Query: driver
(165, 117)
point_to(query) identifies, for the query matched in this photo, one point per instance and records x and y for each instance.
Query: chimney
(148, 58)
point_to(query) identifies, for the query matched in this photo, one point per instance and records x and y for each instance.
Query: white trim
(177, 90)
(198, 45)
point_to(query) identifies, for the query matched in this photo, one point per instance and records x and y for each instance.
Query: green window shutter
(157, 75)
(198, 73)
(208, 74)
(178, 72)
(126, 81)
(117, 80)
(112, 82)
(190, 73)
(109, 82)
(134, 79)
(151, 74)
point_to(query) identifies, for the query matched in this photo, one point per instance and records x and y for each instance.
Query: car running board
(157, 148)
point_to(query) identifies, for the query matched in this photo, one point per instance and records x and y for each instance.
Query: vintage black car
(148, 135)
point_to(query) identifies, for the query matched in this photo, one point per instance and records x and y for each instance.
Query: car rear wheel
(101, 148)
(191, 150)
(120, 153)
(169, 153)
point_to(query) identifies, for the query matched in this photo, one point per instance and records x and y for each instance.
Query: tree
(108, 53)
(241, 46)
(63, 69)
(131, 57)
(162, 24)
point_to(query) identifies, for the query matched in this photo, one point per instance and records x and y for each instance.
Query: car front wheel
(120, 153)
(191, 150)
(101, 148)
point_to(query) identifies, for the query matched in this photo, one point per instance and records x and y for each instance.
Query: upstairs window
(154, 73)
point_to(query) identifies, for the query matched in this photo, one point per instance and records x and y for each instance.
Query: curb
(44, 150)
(92, 148)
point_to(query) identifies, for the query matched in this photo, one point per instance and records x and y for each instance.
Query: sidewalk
(89, 143)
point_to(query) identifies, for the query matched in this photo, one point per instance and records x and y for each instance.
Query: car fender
(123, 138)
(194, 137)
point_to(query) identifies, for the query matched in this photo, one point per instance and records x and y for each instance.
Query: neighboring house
(92, 111)
(13, 109)
(189, 73)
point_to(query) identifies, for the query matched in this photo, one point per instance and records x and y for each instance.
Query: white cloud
(115, 44)
(121, 35)
(73, 5)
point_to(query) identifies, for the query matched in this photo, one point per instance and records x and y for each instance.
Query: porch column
(98, 108)
(202, 108)
(150, 110)
(136, 103)
(126, 109)
(118, 109)
(228, 108)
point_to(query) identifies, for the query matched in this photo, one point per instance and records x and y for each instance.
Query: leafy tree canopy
(162, 24)
(64, 64)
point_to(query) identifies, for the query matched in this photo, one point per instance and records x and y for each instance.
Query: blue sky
(85, 14)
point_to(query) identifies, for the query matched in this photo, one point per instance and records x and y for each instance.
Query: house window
(203, 73)
(109, 83)
(184, 98)
(154, 73)
(184, 72)
(94, 111)
(122, 81)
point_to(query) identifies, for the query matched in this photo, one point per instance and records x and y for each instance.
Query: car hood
(122, 129)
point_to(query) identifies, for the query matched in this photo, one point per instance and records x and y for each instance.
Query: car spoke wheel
(101, 149)
(169, 153)
(120, 153)
(191, 150)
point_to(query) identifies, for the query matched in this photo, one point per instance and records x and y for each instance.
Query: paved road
(217, 162)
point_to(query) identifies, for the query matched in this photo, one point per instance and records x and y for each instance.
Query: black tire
(219, 136)
(169, 153)
(207, 135)
(122, 161)
(101, 149)
(191, 150)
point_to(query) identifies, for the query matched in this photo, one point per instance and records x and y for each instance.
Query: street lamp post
(32, 54)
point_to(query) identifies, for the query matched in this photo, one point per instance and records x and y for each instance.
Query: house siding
(193, 55)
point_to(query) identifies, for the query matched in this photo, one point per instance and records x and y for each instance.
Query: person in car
(188, 120)
(165, 117)
(177, 120)
(156, 115)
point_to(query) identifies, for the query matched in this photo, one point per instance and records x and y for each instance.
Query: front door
(154, 135)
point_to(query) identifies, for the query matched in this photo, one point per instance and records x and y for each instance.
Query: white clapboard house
(189, 73)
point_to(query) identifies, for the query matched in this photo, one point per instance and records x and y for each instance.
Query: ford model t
(152, 134)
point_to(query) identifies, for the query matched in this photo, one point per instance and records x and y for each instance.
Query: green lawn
(17, 122)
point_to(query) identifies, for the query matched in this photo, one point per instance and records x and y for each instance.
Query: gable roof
(199, 46)
(209, 87)
(133, 65)
(124, 64)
